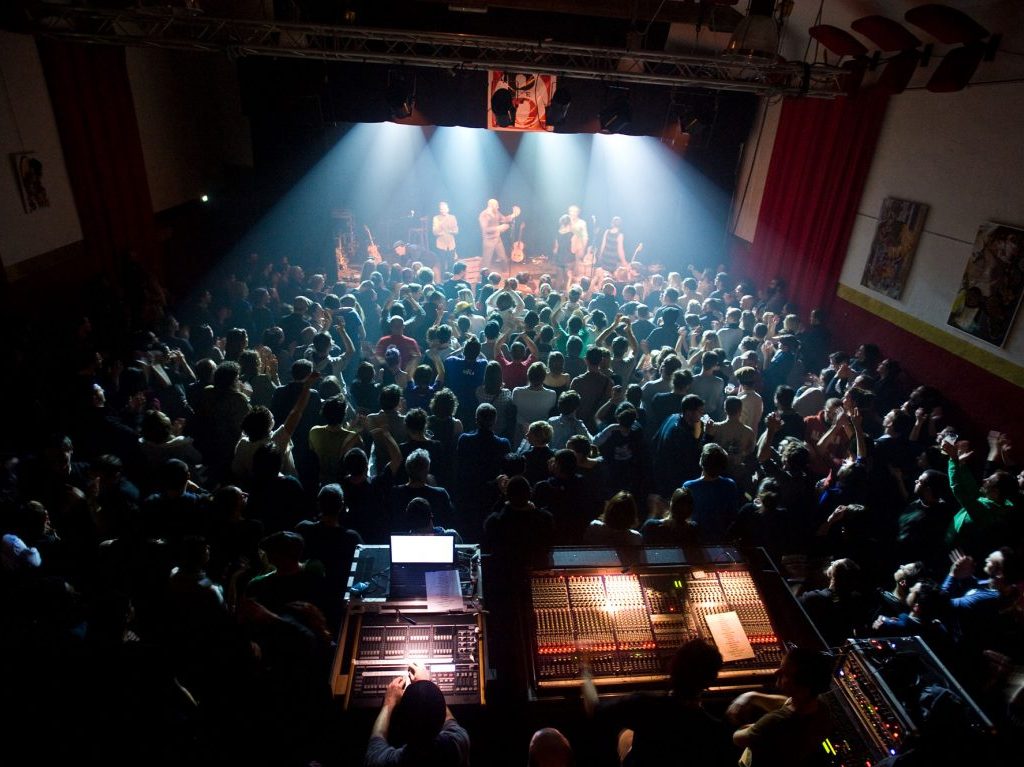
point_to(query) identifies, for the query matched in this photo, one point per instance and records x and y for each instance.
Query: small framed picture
(29, 170)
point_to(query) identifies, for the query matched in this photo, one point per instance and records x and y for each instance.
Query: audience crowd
(182, 495)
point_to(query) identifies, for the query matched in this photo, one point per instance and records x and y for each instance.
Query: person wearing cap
(406, 253)
(433, 736)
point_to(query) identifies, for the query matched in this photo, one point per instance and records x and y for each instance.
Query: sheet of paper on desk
(443, 591)
(729, 636)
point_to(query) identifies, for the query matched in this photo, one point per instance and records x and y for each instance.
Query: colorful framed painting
(892, 251)
(993, 283)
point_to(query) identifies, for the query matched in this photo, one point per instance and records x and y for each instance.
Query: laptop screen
(422, 549)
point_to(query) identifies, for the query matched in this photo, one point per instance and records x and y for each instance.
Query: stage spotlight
(617, 116)
(503, 108)
(697, 115)
(400, 99)
(205, 198)
(559, 107)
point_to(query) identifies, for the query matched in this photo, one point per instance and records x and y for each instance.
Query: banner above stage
(518, 101)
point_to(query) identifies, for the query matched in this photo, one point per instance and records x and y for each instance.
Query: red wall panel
(979, 400)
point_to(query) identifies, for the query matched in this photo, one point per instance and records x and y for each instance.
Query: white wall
(963, 155)
(190, 121)
(757, 154)
(27, 125)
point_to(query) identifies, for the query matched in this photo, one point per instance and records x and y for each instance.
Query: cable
(652, 20)
(817, 21)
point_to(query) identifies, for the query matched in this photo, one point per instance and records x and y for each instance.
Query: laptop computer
(412, 557)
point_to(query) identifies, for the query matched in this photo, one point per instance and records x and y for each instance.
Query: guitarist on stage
(446, 226)
(492, 223)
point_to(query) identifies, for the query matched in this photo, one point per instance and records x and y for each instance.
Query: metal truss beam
(183, 30)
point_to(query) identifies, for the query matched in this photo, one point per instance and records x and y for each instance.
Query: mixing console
(449, 645)
(874, 682)
(629, 625)
(879, 715)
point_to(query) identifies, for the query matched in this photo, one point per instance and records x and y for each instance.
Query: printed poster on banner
(530, 95)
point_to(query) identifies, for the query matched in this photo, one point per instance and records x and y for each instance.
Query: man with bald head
(549, 748)
(492, 223)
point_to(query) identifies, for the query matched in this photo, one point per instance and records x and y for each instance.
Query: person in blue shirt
(677, 447)
(715, 497)
(978, 604)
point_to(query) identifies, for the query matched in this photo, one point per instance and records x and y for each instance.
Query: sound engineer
(651, 726)
(785, 730)
(431, 733)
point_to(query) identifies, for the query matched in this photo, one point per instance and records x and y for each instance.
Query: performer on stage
(405, 253)
(564, 259)
(492, 223)
(612, 254)
(446, 226)
(580, 237)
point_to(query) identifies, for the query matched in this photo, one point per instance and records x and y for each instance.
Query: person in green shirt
(985, 511)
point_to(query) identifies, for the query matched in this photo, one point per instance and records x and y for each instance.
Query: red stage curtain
(822, 155)
(92, 103)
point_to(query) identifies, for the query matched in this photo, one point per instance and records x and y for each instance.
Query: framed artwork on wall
(993, 283)
(29, 171)
(892, 251)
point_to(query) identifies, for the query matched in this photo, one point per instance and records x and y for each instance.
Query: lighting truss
(184, 30)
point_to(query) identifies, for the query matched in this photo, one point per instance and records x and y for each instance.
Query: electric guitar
(340, 258)
(518, 255)
(372, 250)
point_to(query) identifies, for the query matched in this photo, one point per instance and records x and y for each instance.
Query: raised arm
(348, 348)
(500, 342)
(295, 414)
(599, 341)
(764, 445)
(383, 439)
(609, 405)
(491, 303)
(680, 347)
(528, 342)
(634, 345)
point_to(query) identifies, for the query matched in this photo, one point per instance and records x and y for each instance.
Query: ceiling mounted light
(949, 25)
(558, 109)
(889, 36)
(617, 116)
(400, 98)
(503, 108)
(757, 35)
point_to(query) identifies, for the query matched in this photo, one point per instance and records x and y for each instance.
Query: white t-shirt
(532, 404)
(241, 465)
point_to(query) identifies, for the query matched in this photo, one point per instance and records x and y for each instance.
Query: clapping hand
(962, 565)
